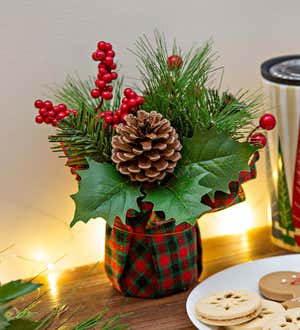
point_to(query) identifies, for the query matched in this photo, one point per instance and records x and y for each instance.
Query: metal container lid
(282, 70)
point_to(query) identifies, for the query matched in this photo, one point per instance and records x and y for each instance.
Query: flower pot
(150, 257)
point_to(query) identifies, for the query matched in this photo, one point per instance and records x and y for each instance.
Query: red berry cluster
(267, 122)
(105, 55)
(50, 114)
(130, 104)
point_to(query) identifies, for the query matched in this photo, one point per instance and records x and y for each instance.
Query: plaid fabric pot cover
(149, 256)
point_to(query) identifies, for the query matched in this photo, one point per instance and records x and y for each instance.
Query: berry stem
(99, 105)
(254, 129)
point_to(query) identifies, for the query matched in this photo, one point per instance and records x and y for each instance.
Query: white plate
(243, 277)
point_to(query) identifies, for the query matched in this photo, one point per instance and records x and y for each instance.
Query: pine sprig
(182, 94)
(82, 136)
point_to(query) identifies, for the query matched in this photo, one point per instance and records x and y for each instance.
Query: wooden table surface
(94, 292)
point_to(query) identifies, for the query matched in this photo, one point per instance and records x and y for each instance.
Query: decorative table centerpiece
(152, 162)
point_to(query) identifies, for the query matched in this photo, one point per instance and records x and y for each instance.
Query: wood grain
(93, 291)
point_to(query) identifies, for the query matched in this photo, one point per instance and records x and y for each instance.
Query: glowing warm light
(39, 255)
(51, 266)
(275, 175)
(52, 280)
(269, 214)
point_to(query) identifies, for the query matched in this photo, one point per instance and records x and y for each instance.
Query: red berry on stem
(140, 100)
(110, 53)
(43, 111)
(109, 60)
(132, 102)
(127, 92)
(114, 75)
(100, 83)
(101, 66)
(54, 122)
(95, 93)
(108, 46)
(101, 45)
(61, 115)
(51, 113)
(174, 61)
(116, 119)
(39, 104)
(109, 88)
(113, 66)
(125, 100)
(267, 121)
(109, 119)
(67, 112)
(107, 77)
(123, 116)
(119, 112)
(107, 95)
(132, 95)
(100, 55)
(39, 119)
(62, 107)
(102, 71)
(258, 139)
(124, 107)
(48, 105)
(56, 109)
(94, 56)
(47, 120)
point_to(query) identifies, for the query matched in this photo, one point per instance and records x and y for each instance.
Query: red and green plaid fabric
(149, 256)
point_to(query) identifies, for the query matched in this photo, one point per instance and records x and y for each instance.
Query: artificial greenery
(212, 126)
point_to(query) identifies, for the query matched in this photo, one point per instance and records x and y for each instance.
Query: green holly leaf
(180, 197)
(103, 192)
(22, 324)
(218, 156)
(15, 289)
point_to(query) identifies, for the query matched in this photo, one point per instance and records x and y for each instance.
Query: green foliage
(103, 192)
(84, 136)
(15, 289)
(22, 324)
(284, 205)
(217, 156)
(180, 197)
(3, 319)
(183, 96)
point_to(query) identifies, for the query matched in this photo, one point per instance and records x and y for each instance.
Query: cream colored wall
(41, 41)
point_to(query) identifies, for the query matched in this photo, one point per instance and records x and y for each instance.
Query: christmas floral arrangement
(152, 161)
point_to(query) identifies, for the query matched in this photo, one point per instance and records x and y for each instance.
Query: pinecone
(146, 148)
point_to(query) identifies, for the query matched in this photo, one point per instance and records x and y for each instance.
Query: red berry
(102, 71)
(100, 55)
(125, 100)
(132, 102)
(116, 119)
(132, 109)
(115, 125)
(109, 113)
(127, 92)
(114, 75)
(56, 109)
(67, 112)
(109, 60)
(43, 111)
(54, 122)
(124, 107)
(110, 53)
(107, 95)
(113, 66)
(119, 112)
(140, 100)
(95, 93)
(101, 45)
(123, 116)
(47, 120)
(61, 115)
(39, 119)
(62, 107)
(108, 46)
(258, 139)
(109, 88)
(174, 61)
(101, 65)
(74, 112)
(39, 104)
(100, 83)
(107, 77)
(267, 121)
(109, 119)
(48, 105)
(94, 56)
(132, 95)
(51, 113)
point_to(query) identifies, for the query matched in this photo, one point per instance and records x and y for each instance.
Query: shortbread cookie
(270, 310)
(280, 286)
(280, 325)
(226, 308)
(293, 316)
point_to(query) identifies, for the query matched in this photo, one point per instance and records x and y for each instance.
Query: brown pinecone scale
(146, 148)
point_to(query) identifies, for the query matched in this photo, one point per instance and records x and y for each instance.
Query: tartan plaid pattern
(149, 256)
